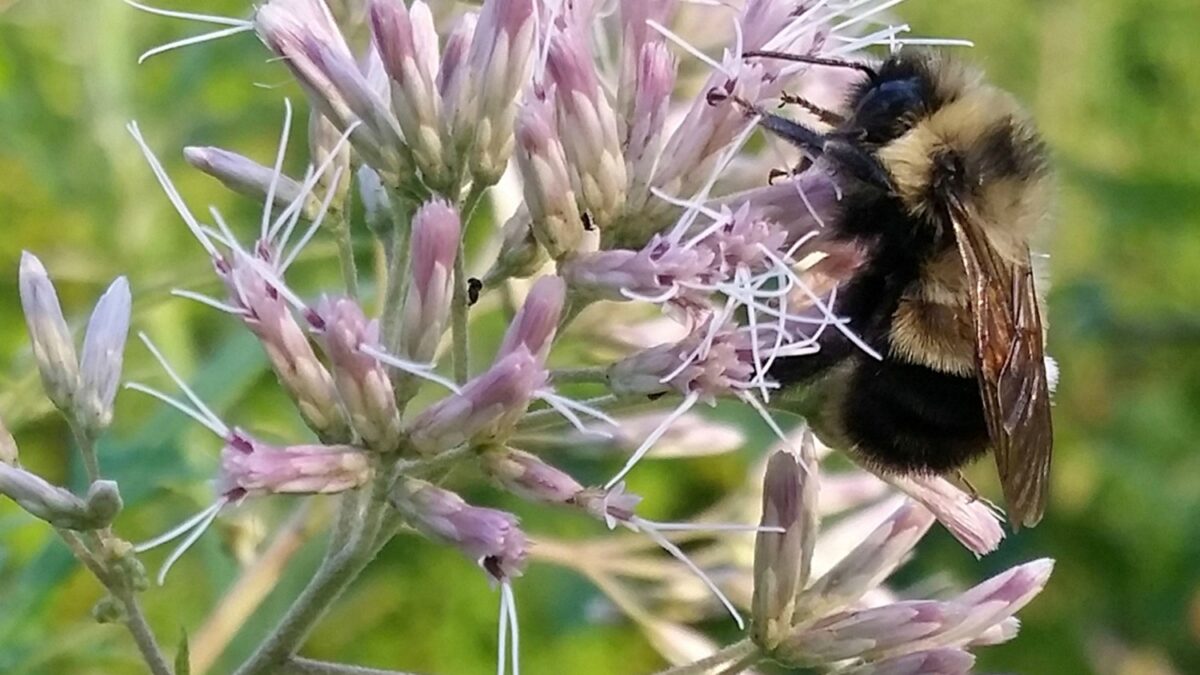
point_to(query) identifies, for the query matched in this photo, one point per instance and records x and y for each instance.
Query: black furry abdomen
(906, 418)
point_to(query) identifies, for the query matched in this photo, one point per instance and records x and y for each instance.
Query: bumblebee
(943, 179)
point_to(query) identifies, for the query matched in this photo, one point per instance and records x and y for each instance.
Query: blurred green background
(1116, 88)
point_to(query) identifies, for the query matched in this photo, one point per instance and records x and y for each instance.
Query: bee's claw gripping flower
(435, 241)
(362, 381)
(53, 347)
(491, 538)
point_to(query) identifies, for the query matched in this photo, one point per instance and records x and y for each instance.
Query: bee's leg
(826, 115)
(966, 485)
(776, 174)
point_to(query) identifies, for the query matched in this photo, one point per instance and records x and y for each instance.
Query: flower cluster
(626, 202)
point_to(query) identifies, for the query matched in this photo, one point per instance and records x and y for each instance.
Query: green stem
(87, 448)
(331, 579)
(458, 305)
(345, 245)
(301, 666)
(595, 374)
(397, 275)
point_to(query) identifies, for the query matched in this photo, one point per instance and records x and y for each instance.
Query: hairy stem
(87, 448)
(336, 573)
(144, 637)
(459, 304)
(345, 246)
(251, 587)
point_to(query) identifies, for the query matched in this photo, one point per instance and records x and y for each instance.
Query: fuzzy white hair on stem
(232, 27)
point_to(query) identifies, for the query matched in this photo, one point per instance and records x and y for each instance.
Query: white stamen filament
(316, 223)
(294, 211)
(210, 301)
(865, 15)
(210, 515)
(677, 553)
(421, 370)
(189, 16)
(214, 422)
(688, 47)
(279, 155)
(307, 187)
(194, 40)
(169, 188)
(509, 601)
(688, 402)
(567, 407)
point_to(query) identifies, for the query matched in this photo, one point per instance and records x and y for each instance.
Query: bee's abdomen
(908, 418)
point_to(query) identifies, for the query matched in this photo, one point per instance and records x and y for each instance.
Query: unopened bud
(486, 409)
(103, 355)
(109, 610)
(53, 347)
(546, 178)
(407, 42)
(527, 476)
(484, 105)
(587, 126)
(783, 560)
(247, 177)
(435, 240)
(535, 324)
(491, 538)
(252, 468)
(363, 382)
(56, 505)
(377, 204)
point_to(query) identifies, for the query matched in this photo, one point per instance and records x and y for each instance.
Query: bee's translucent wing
(1009, 353)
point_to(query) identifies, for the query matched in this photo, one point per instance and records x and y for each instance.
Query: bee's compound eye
(885, 110)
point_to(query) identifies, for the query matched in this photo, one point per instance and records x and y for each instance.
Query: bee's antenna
(814, 60)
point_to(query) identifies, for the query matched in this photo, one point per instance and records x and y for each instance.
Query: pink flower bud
(454, 55)
(526, 475)
(658, 270)
(491, 538)
(53, 347)
(435, 240)
(487, 408)
(636, 36)
(546, 178)
(800, 205)
(783, 560)
(587, 126)
(932, 662)
(408, 44)
(249, 178)
(869, 564)
(482, 104)
(649, 103)
(103, 352)
(301, 373)
(362, 381)
(708, 365)
(250, 468)
(534, 326)
(304, 35)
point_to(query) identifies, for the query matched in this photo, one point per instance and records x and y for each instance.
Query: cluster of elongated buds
(618, 188)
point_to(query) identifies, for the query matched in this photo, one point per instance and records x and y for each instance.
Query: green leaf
(183, 664)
